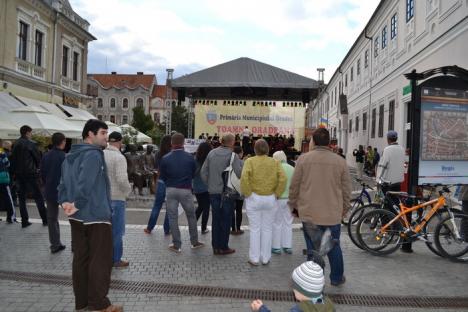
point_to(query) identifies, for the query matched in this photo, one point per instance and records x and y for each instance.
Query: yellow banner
(261, 120)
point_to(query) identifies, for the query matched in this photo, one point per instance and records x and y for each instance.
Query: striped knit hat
(308, 279)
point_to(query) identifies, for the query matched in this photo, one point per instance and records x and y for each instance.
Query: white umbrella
(42, 122)
(8, 130)
(140, 137)
(113, 127)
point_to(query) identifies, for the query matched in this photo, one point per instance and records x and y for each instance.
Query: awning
(112, 127)
(42, 122)
(8, 130)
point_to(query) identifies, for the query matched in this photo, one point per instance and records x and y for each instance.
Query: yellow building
(44, 51)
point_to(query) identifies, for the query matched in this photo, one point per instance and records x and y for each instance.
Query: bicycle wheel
(354, 219)
(371, 238)
(429, 230)
(355, 204)
(451, 237)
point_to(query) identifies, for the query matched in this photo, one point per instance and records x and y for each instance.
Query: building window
(341, 89)
(409, 10)
(352, 73)
(384, 37)
(76, 57)
(157, 117)
(124, 119)
(391, 115)
(99, 103)
(65, 61)
(381, 120)
(366, 59)
(112, 103)
(374, 113)
(38, 48)
(346, 81)
(336, 95)
(99, 117)
(125, 103)
(358, 67)
(376, 46)
(393, 26)
(364, 122)
(23, 41)
(357, 124)
(350, 125)
(139, 103)
(112, 118)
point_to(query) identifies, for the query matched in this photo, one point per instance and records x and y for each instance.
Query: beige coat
(321, 187)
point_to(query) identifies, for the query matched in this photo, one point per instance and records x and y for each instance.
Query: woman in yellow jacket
(262, 182)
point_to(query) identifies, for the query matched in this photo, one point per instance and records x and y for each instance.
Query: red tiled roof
(160, 92)
(124, 81)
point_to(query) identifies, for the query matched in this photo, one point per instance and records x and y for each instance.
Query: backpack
(4, 175)
(231, 181)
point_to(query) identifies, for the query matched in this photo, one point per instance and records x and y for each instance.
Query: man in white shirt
(391, 170)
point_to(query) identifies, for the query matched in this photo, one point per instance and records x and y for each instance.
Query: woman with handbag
(262, 181)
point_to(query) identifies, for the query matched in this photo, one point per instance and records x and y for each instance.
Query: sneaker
(287, 250)
(25, 224)
(266, 263)
(58, 249)
(252, 263)
(197, 245)
(343, 280)
(174, 248)
(240, 232)
(121, 264)
(276, 251)
(147, 231)
(226, 251)
(8, 220)
(206, 231)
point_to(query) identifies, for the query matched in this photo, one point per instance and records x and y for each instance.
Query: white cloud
(156, 34)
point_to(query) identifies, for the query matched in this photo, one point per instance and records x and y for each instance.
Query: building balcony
(70, 84)
(30, 69)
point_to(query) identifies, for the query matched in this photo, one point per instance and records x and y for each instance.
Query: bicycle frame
(439, 203)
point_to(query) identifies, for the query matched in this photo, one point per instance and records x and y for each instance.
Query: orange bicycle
(381, 231)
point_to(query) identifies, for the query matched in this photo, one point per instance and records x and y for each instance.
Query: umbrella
(113, 127)
(8, 130)
(140, 137)
(42, 122)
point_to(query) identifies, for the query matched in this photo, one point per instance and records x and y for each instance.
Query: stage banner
(261, 120)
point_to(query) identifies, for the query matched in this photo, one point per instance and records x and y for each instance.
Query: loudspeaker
(305, 96)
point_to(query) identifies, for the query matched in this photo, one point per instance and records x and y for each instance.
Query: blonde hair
(280, 156)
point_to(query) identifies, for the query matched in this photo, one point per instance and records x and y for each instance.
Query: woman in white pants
(262, 182)
(282, 224)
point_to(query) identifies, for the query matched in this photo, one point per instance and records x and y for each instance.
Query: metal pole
(190, 119)
(415, 120)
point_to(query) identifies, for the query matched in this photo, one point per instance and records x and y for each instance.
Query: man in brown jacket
(319, 195)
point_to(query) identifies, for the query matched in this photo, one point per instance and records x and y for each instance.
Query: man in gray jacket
(215, 164)
(120, 188)
(84, 193)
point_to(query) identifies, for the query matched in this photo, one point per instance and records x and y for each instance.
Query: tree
(141, 121)
(180, 120)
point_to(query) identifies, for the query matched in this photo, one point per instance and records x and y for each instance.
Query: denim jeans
(184, 197)
(118, 228)
(221, 208)
(335, 256)
(159, 199)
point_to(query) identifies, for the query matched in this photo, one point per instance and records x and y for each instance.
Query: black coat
(51, 171)
(25, 158)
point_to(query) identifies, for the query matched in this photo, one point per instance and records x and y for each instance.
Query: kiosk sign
(444, 136)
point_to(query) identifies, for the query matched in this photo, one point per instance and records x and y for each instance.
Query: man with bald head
(177, 170)
(216, 162)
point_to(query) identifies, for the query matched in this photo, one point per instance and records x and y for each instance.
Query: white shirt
(246, 132)
(391, 167)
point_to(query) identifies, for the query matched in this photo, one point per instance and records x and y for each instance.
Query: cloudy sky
(189, 35)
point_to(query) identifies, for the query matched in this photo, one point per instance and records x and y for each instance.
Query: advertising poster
(261, 120)
(444, 136)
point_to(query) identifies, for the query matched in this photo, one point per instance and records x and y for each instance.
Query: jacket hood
(77, 150)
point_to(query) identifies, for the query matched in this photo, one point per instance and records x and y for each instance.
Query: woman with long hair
(160, 194)
(200, 189)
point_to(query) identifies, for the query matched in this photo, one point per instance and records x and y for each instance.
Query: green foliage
(129, 136)
(141, 121)
(180, 120)
(42, 141)
(157, 133)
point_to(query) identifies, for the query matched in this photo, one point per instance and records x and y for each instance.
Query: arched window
(125, 103)
(112, 118)
(124, 119)
(112, 103)
(99, 117)
(157, 117)
(139, 103)
(99, 103)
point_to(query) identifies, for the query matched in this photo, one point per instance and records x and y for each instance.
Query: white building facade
(401, 35)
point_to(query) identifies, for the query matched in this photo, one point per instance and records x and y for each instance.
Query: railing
(30, 69)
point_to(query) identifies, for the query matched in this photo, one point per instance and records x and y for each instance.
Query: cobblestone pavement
(26, 250)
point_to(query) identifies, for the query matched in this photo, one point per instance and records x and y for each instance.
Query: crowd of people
(366, 161)
(91, 184)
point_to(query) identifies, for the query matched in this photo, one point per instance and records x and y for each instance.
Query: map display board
(444, 136)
